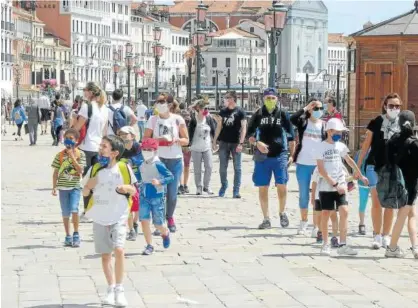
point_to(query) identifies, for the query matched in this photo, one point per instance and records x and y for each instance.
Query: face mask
(127, 141)
(69, 143)
(317, 114)
(148, 155)
(270, 104)
(205, 112)
(393, 113)
(103, 160)
(162, 108)
(336, 138)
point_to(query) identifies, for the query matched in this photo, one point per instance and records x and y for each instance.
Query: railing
(26, 57)
(10, 26)
(44, 59)
(5, 57)
(67, 62)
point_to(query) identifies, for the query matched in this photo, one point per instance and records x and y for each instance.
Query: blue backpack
(119, 118)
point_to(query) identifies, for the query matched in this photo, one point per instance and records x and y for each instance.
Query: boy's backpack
(391, 183)
(83, 130)
(119, 118)
(123, 168)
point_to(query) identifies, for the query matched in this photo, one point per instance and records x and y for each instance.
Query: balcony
(66, 62)
(45, 59)
(26, 57)
(8, 58)
(7, 26)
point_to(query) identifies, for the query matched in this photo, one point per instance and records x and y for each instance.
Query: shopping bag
(26, 128)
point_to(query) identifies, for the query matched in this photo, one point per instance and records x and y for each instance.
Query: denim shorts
(371, 175)
(69, 200)
(154, 206)
(277, 166)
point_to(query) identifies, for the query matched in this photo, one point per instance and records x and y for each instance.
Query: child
(109, 187)
(333, 187)
(68, 166)
(154, 176)
(363, 195)
(133, 156)
(316, 203)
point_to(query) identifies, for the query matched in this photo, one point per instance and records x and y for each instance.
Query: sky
(349, 16)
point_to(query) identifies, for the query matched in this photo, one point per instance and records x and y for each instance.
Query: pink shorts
(187, 156)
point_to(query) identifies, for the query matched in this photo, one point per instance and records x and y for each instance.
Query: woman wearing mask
(201, 131)
(19, 117)
(379, 131)
(58, 117)
(402, 150)
(171, 132)
(311, 132)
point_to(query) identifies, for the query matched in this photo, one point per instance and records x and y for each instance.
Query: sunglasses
(392, 106)
(318, 108)
(227, 97)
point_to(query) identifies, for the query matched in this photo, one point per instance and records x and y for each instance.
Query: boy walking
(68, 166)
(154, 176)
(109, 188)
(332, 186)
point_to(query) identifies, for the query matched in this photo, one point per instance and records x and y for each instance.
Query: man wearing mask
(231, 135)
(272, 134)
(34, 118)
(331, 110)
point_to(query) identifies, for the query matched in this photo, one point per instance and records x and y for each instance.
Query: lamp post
(115, 67)
(189, 55)
(17, 71)
(199, 39)
(158, 52)
(137, 71)
(128, 63)
(274, 21)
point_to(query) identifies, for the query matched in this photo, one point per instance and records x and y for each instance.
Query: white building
(337, 60)
(7, 58)
(180, 42)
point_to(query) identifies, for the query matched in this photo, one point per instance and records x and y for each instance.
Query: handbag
(26, 127)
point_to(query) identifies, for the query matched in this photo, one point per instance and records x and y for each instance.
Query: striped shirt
(68, 177)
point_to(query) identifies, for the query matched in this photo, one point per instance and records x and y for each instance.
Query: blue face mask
(69, 143)
(103, 160)
(317, 114)
(336, 138)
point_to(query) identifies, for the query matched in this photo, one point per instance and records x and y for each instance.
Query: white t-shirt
(97, 124)
(311, 137)
(332, 154)
(170, 127)
(109, 207)
(140, 112)
(201, 139)
(316, 178)
(128, 112)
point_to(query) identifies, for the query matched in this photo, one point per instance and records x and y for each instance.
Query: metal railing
(26, 57)
(45, 59)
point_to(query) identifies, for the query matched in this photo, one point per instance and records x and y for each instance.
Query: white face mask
(148, 155)
(393, 113)
(162, 108)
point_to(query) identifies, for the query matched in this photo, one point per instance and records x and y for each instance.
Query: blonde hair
(97, 92)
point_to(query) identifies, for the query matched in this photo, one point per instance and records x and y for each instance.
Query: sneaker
(68, 241)
(394, 253)
(110, 296)
(319, 238)
(346, 251)
(266, 224)
(84, 219)
(377, 242)
(303, 225)
(199, 191)
(171, 225)
(386, 241)
(222, 191)
(315, 231)
(149, 249)
(208, 191)
(76, 239)
(157, 232)
(131, 236)
(326, 250)
(186, 189)
(236, 196)
(362, 229)
(180, 190)
(284, 221)
(120, 299)
(136, 227)
(334, 242)
(166, 240)
(415, 251)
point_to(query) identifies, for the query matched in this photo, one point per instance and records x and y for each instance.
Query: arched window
(189, 26)
(319, 59)
(298, 60)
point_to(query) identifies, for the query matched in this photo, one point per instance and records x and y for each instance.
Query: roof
(234, 30)
(405, 24)
(254, 23)
(337, 38)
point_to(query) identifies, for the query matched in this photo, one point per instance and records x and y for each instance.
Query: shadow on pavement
(265, 235)
(91, 257)
(67, 306)
(32, 222)
(192, 196)
(299, 254)
(43, 189)
(34, 247)
(225, 228)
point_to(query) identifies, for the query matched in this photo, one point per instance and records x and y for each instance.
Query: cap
(336, 124)
(127, 130)
(406, 117)
(149, 144)
(270, 91)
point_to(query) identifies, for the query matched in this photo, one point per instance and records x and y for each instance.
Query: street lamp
(137, 71)
(17, 72)
(115, 67)
(128, 63)
(274, 21)
(158, 52)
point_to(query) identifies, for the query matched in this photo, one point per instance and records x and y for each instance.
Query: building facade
(180, 42)
(7, 58)
(337, 60)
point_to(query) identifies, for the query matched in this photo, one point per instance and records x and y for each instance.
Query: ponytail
(102, 99)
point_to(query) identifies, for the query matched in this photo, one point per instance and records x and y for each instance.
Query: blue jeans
(225, 150)
(69, 200)
(175, 166)
(141, 126)
(304, 175)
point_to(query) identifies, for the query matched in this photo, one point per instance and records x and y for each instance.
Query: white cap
(336, 124)
(128, 130)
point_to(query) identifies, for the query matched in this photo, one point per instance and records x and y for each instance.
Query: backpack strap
(94, 170)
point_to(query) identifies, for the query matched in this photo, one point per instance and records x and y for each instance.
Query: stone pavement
(218, 258)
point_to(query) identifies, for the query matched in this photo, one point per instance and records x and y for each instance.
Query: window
(352, 60)
(126, 29)
(120, 28)
(119, 8)
(214, 62)
(251, 29)
(172, 40)
(227, 62)
(113, 26)
(113, 7)
(76, 25)
(81, 25)
(126, 10)
(319, 59)
(213, 81)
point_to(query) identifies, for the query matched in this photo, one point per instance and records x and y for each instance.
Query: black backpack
(119, 118)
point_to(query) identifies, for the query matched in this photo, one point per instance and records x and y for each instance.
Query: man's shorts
(107, 238)
(154, 206)
(331, 200)
(69, 200)
(187, 156)
(371, 175)
(277, 166)
(135, 202)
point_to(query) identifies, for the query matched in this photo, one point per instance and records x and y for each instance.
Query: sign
(289, 91)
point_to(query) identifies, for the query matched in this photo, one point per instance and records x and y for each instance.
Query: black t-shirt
(135, 150)
(231, 124)
(378, 146)
(274, 129)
